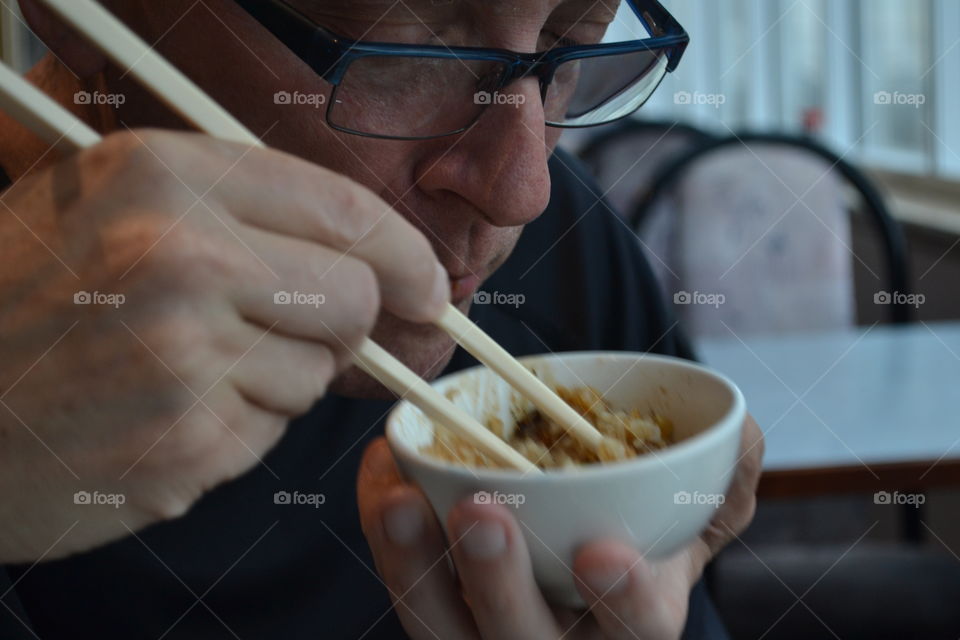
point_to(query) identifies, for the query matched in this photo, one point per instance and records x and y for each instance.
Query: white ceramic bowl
(656, 502)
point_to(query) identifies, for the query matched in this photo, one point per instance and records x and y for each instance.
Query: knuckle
(169, 505)
(125, 153)
(157, 144)
(180, 343)
(496, 601)
(401, 581)
(203, 450)
(162, 457)
(182, 246)
(140, 164)
(323, 369)
(185, 255)
(191, 446)
(761, 446)
(115, 146)
(351, 216)
(304, 397)
(133, 239)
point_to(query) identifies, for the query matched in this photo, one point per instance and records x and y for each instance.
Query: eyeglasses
(415, 92)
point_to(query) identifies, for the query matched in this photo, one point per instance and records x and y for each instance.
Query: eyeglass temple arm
(296, 32)
(656, 18)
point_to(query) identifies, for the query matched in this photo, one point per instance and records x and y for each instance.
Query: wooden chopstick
(193, 104)
(36, 111)
(45, 117)
(489, 352)
(382, 366)
(153, 71)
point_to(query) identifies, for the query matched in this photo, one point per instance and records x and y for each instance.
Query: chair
(624, 156)
(764, 218)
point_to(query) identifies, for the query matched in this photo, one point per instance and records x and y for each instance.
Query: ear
(70, 47)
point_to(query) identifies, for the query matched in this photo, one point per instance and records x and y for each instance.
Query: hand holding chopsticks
(58, 126)
(178, 92)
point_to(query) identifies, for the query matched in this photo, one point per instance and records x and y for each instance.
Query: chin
(424, 348)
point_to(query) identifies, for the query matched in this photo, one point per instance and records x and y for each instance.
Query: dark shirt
(239, 565)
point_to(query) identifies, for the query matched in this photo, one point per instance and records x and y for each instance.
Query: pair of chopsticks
(59, 127)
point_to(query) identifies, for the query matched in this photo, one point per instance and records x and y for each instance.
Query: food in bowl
(542, 441)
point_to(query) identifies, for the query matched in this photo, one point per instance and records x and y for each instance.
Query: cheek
(380, 166)
(497, 246)
(509, 239)
(404, 98)
(383, 166)
(552, 137)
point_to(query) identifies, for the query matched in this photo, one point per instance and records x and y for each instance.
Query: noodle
(545, 443)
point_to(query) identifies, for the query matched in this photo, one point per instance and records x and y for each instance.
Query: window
(896, 57)
(874, 79)
(803, 89)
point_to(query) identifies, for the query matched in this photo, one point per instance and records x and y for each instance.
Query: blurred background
(796, 185)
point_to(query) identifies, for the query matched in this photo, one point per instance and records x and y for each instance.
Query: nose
(500, 164)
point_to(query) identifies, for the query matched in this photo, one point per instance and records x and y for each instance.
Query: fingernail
(484, 540)
(606, 582)
(403, 523)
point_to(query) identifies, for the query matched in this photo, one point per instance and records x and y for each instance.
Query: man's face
(470, 194)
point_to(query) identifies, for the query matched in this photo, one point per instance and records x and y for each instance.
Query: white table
(851, 410)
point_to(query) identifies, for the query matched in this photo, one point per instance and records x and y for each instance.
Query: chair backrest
(758, 225)
(624, 156)
(749, 253)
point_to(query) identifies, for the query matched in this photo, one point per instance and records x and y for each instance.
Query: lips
(462, 287)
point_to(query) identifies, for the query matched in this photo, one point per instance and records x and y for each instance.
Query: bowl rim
(702, 440)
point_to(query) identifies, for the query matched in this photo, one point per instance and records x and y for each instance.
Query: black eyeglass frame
(330, 55)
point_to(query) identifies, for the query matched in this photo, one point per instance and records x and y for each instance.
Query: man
(153, 483)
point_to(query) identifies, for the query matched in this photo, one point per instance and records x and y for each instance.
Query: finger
(737, 510)
(226, 436)
(408, 547)
(493, 562)
(750, 464)
(287, 195)
(305, 290)
(283, 375)
(629, 597)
